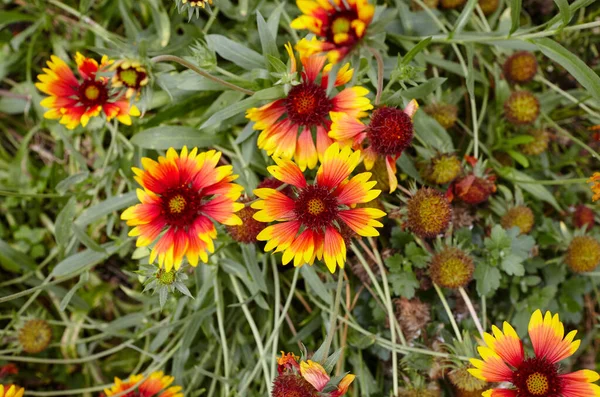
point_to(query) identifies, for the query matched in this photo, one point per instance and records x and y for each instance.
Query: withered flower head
(442, 169)
(413, 316)
(519, 216)
(464, 381)
(583, 254)
(474, 190)
(522, 107)
(521, 67)
(429, 213)
(452, 4)
(35, 336)
(444, 114)
(541, 138)
(451, 268)
(583, 216)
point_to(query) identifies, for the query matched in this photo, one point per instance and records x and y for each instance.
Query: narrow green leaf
(575, 66)
(7, 17)
(65, 184)
(106, 207)
(165, 137)
(235, 52)
(573, 7)
(470, 76)
(83, 260)
(13, 260)
(515, 15)
(519, 158)
(315, 284)
(415, 50)
(273, 20)
(529, 184)
(464, 16)
(565, 11)
(267, 41)
(86, 240)
(64, 221)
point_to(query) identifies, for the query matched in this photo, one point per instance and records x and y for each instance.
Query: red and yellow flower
(389, 133)
(76, 100)
(538, 376)
(339, 24)
(595, 181)
(306, 379)
(182, 195)
(287, 124)
(313, 216)
(11, 391)
(156, 384)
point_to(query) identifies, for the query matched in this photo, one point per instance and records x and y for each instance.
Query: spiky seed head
(429, 213)
(521, 108)
(444, 114)
(583, 216)
(464, 381)
(442, 169)
(250, 227)
(541, 138)
(521, 67)
(583, 254)
(519, 216)
(35, 336)
(292, 385)
(451, 268)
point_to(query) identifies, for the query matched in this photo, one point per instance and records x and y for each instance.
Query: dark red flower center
(390, 131)
(340, 30)
(316, 207)
(307, 104)
(93, 93)
(180, 206)
(291, 385)
(536, 377)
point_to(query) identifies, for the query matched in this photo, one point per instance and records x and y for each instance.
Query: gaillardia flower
(340, 25)
(538, 376)
(521, 67)
(522, 107)
(429, 213)
(313, 215)
(451, 268)
(520, 216)
(129, 74)
(35, 336)
(156, 385)
(306, 379)
(182, 195)
(306, 108)
(584, 217)
(11, 391)
(388, 134)
(583, 254)
(595, 181)
(76, 101)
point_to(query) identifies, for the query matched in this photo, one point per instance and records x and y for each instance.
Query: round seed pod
(519, 216)
(445, 114)
(521, 108)
(429, 213)
(451, 268)
(583, 254)
(35, 336)
(250, 227)
(442, 169)
(521, 67)
(489, 6)
(541, 138)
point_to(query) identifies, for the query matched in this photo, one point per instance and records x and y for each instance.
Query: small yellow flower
(11, 391)
(595, 179)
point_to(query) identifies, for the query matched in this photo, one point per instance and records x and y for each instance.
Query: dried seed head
(519, 216)
(292, 385)
(250, 227)
(474, 190)
(583, 254)
(488, 6)
(442, 169)
(520, 67)
(35, 336)
(464, 381)
(413, 316)
(451, 268)
(522, 107)
(452, 4)
(583, 216)
(541, 138)
(429, 213)
(444, 114)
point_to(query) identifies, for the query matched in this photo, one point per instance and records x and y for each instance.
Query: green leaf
(65, 184)
(518, 140)
(565, 11)
(575, 66)
(8, 17)
(85, 239)
(64, 221)
(415, 50)
(267, 41)
(13, 260)
(235, 52)
(454, 67)
(573, 7)
(515, 15)
(519, 158)
(404, 284)
(315, 284)
(529, 184)
(161, 23)
(512, 265)
(106, 207)
(432, 133)
(464, 16)
(83, 279)
(487, 277)
(83, 260)
(422, 91)
(168, 136)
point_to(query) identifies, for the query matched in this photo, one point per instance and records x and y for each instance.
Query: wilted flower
(76, 101)
(429, 213)
(389, 133)
(504, 360)
(522, 107)
(520, 216)
(35, 336)
(583, 254)
(539, 144)
(443, 113)
(521, 67)
(442, 169)
(307, 107)
(451, 268)
(475, 187)
(340, 25)
(311, 216)
(155, 385)
(182, 195)
(584, 216)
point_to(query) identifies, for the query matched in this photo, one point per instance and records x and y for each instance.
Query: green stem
(191, 66)
(275, 315)
(222, 335)
(570, 136)
(472, 311)
(448, 312)
(336, 309)
(379, 60)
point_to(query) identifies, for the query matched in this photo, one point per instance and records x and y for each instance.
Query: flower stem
(469, 304)
(222, 335)
(448, 311)
(336, 310)
(379, 60)
(191, 66)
